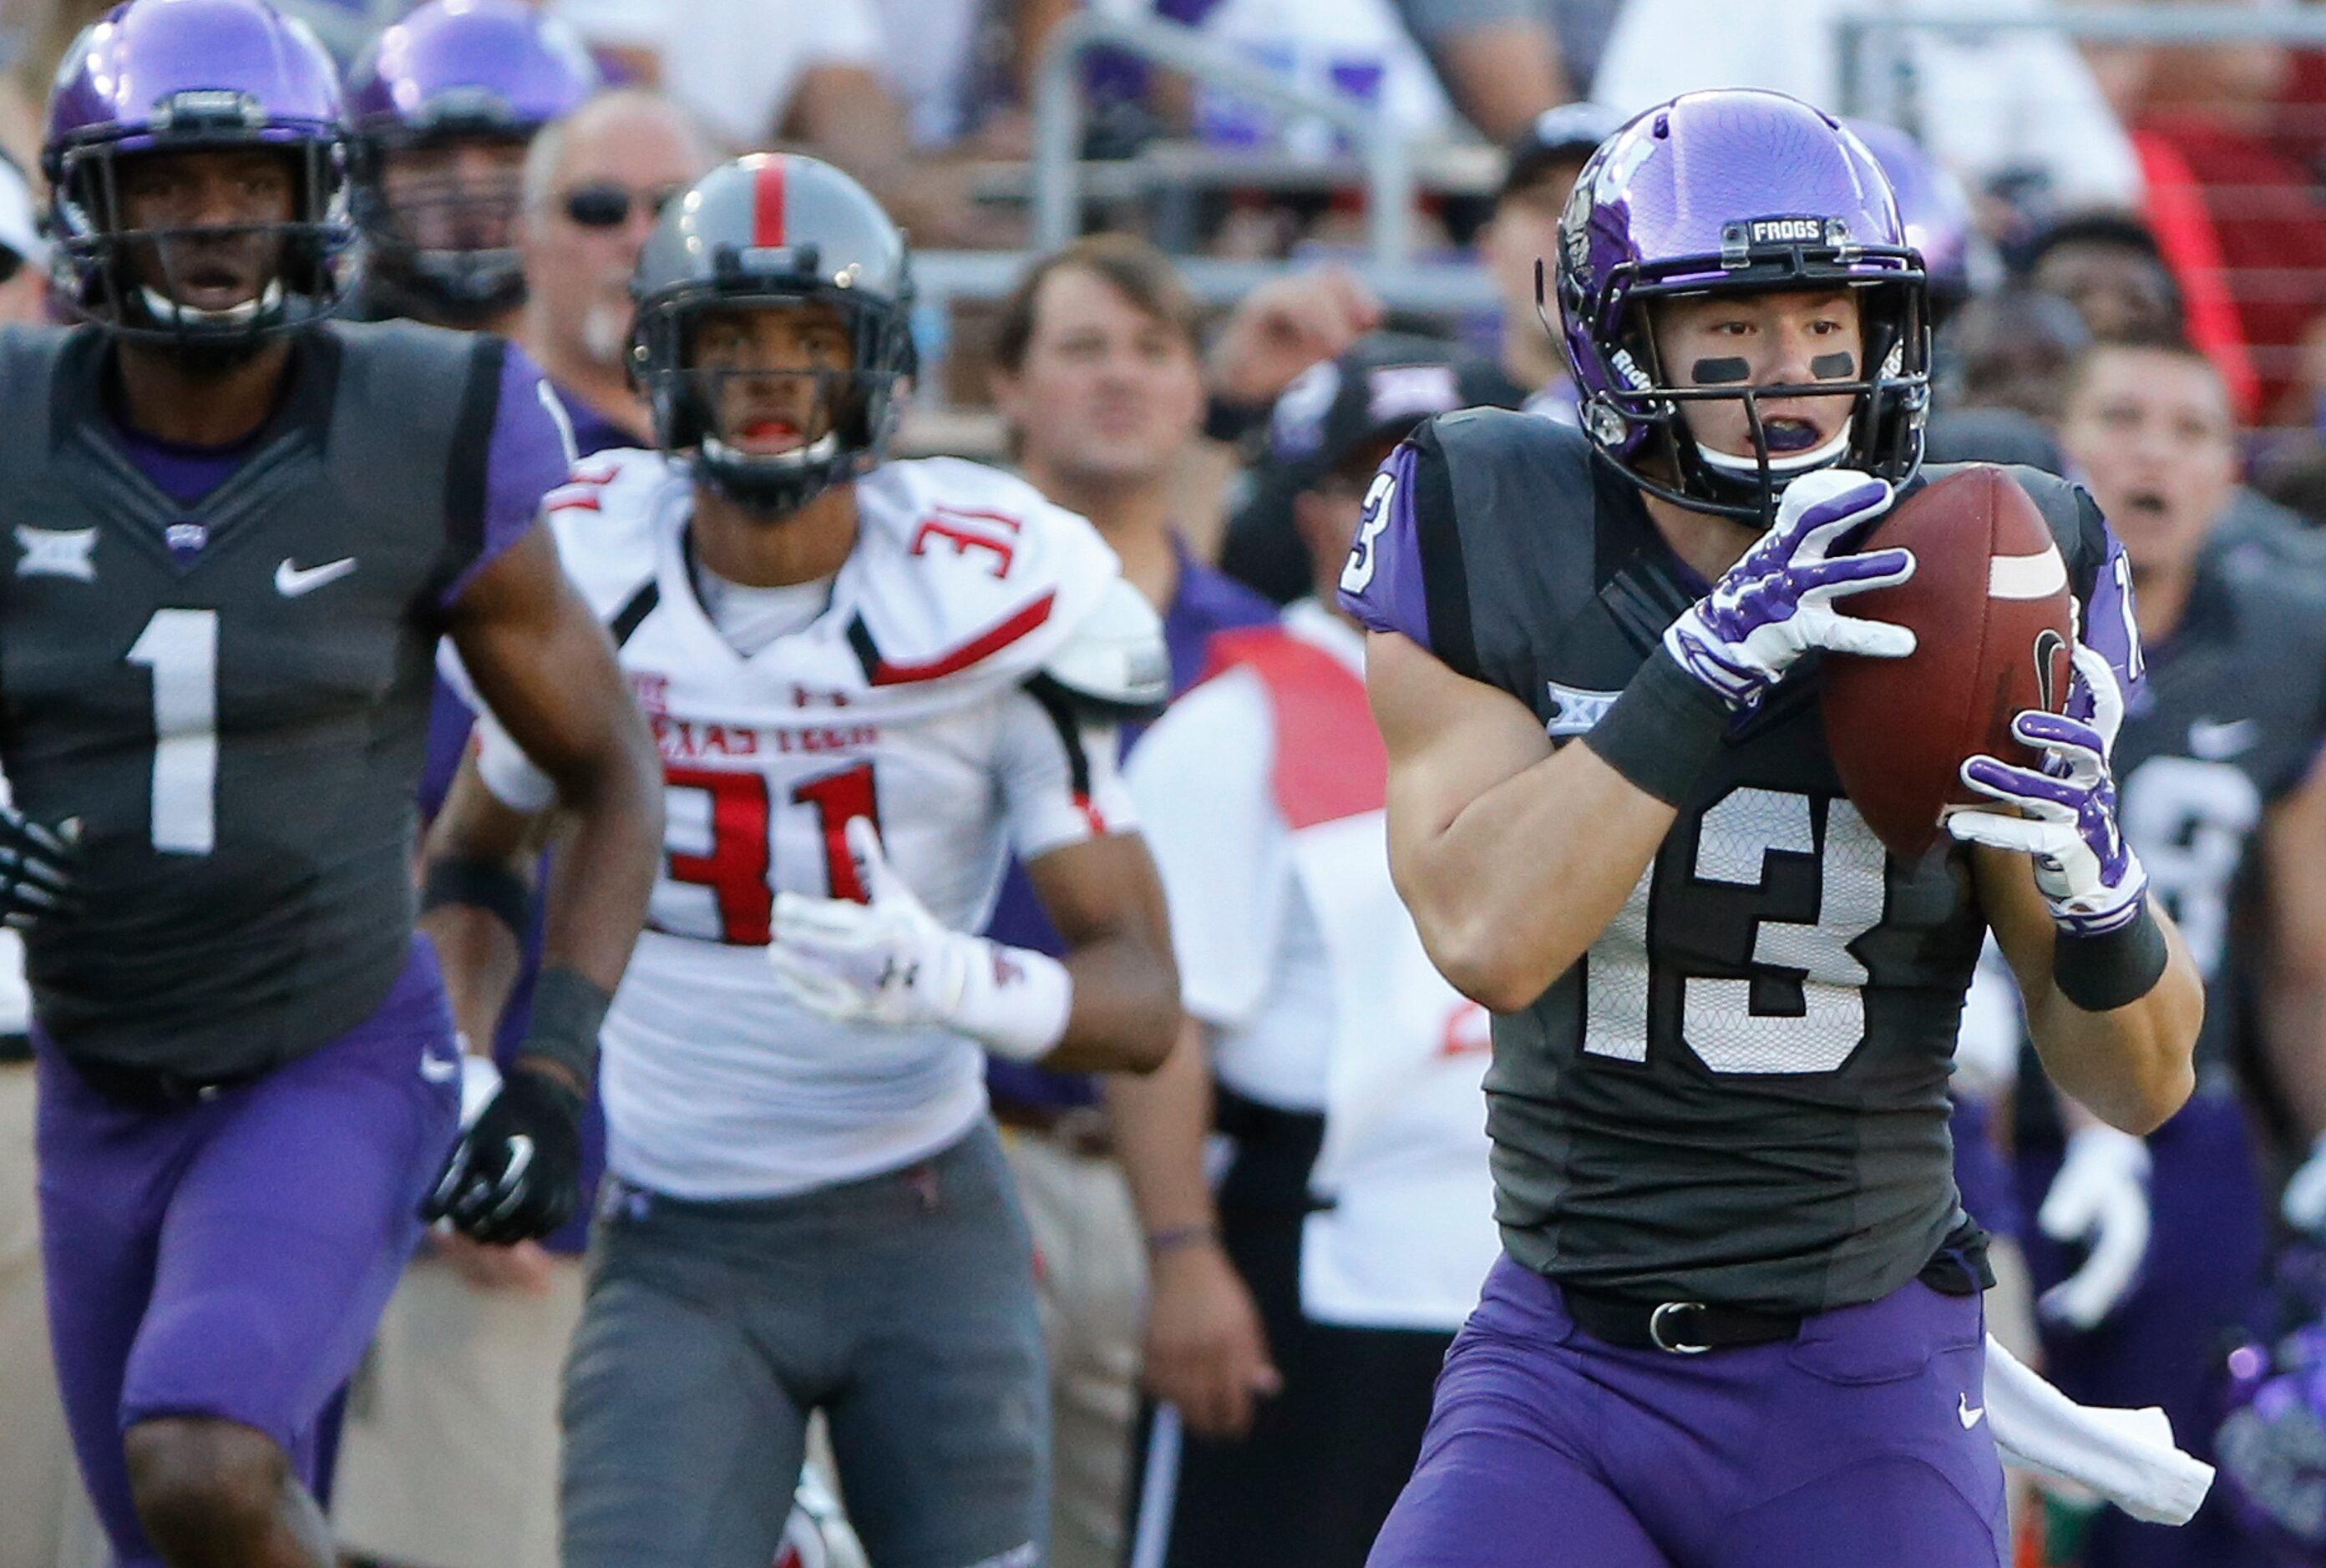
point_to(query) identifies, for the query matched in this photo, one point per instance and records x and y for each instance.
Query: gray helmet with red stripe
(774, 229)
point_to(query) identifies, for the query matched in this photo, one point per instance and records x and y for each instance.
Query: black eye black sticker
(1834, 367)
(1720, 372)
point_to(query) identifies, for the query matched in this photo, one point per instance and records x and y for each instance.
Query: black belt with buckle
(153, 1089)
(1684, 1328)
(16, 1050)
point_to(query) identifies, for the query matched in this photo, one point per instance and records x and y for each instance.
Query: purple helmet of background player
(1738, 189)
(456, 74)
(161, 77)
(1934, 208)
(2271, 1445)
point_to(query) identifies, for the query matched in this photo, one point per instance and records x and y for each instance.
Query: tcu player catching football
(1737, 1320)
(871, 682)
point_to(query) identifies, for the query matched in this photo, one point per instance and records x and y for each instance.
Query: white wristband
(1014, 1001)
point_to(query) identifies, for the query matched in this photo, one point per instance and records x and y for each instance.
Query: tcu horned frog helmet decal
(166, 76)
(1738, 189)
(773, 229)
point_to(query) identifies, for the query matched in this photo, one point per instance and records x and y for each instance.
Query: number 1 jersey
(905, 701)
(1739, 1093)
(231, 691)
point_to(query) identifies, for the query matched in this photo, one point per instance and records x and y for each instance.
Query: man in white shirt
(2006, 102)
(869, 682)
(1303, 1304)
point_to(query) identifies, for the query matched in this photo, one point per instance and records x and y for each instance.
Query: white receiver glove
(890, 962)
(2099, 1197)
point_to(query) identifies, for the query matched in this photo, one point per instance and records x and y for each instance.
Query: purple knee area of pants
(1789, 1455)
(230, 1258)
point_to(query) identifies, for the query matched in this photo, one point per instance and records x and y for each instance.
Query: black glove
(36, 866)
(515, 1176)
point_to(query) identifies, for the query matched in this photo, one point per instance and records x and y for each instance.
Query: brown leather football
(1991, 614)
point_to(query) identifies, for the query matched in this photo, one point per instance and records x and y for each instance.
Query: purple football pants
(1863, 1440)
(2163, 1344)
(230, 1258)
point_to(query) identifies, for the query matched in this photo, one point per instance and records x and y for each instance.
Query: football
(1989, 607)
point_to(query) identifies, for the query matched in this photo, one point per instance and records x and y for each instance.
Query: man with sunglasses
(870, 681)
(594, 183)
(451, 1449)
(236, 531)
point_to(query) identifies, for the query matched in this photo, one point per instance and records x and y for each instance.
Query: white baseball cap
(19, 227)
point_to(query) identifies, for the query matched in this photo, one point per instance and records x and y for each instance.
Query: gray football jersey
(232, 696)
(1739, 1094)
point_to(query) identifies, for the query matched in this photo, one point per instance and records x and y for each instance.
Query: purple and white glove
(2085, 870)
(1776, 604)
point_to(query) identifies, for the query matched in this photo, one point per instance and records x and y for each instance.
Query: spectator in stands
(2236, 217)
(2003, 104)
(1500, 60)
(1291, 1352)
(593, 183)
(1538, 175)
(1268, 544)
(43, 1511)
(1099, 374)
(875, 86)
(2108, 266)
(2013, 350)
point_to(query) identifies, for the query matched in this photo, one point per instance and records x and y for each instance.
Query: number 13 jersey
(906, 700)
(1739, 1094)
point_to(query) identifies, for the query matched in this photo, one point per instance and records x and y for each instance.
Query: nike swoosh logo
(436, 1070)
(2214, 740)
(1968, 1413)
(291, 581)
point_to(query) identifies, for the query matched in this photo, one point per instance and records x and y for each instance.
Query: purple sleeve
(2108, 626)
(527, 456)
(1382, 584)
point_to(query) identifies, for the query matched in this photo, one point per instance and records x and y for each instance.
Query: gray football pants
(901, 1305)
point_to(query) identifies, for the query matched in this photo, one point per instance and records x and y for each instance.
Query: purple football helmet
(2271, 1445)
(442, 241)
(1932, 205)
(1745, 190)
(156, 77)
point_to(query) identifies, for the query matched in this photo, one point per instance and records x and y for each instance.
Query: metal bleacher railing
(1385, 166)
(1876, 77)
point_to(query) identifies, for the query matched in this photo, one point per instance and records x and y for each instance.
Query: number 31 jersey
(1739, 1094)
(907, 702)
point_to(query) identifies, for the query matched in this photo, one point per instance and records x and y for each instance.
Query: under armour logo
(57, 552)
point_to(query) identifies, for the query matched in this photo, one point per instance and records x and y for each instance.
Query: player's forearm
(482, 958)
(1126, 1005)
(2132, 1066)
(1514, 890)
(604, 872)
(1161, 1122)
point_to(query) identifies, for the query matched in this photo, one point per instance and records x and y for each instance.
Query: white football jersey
(904, 701)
